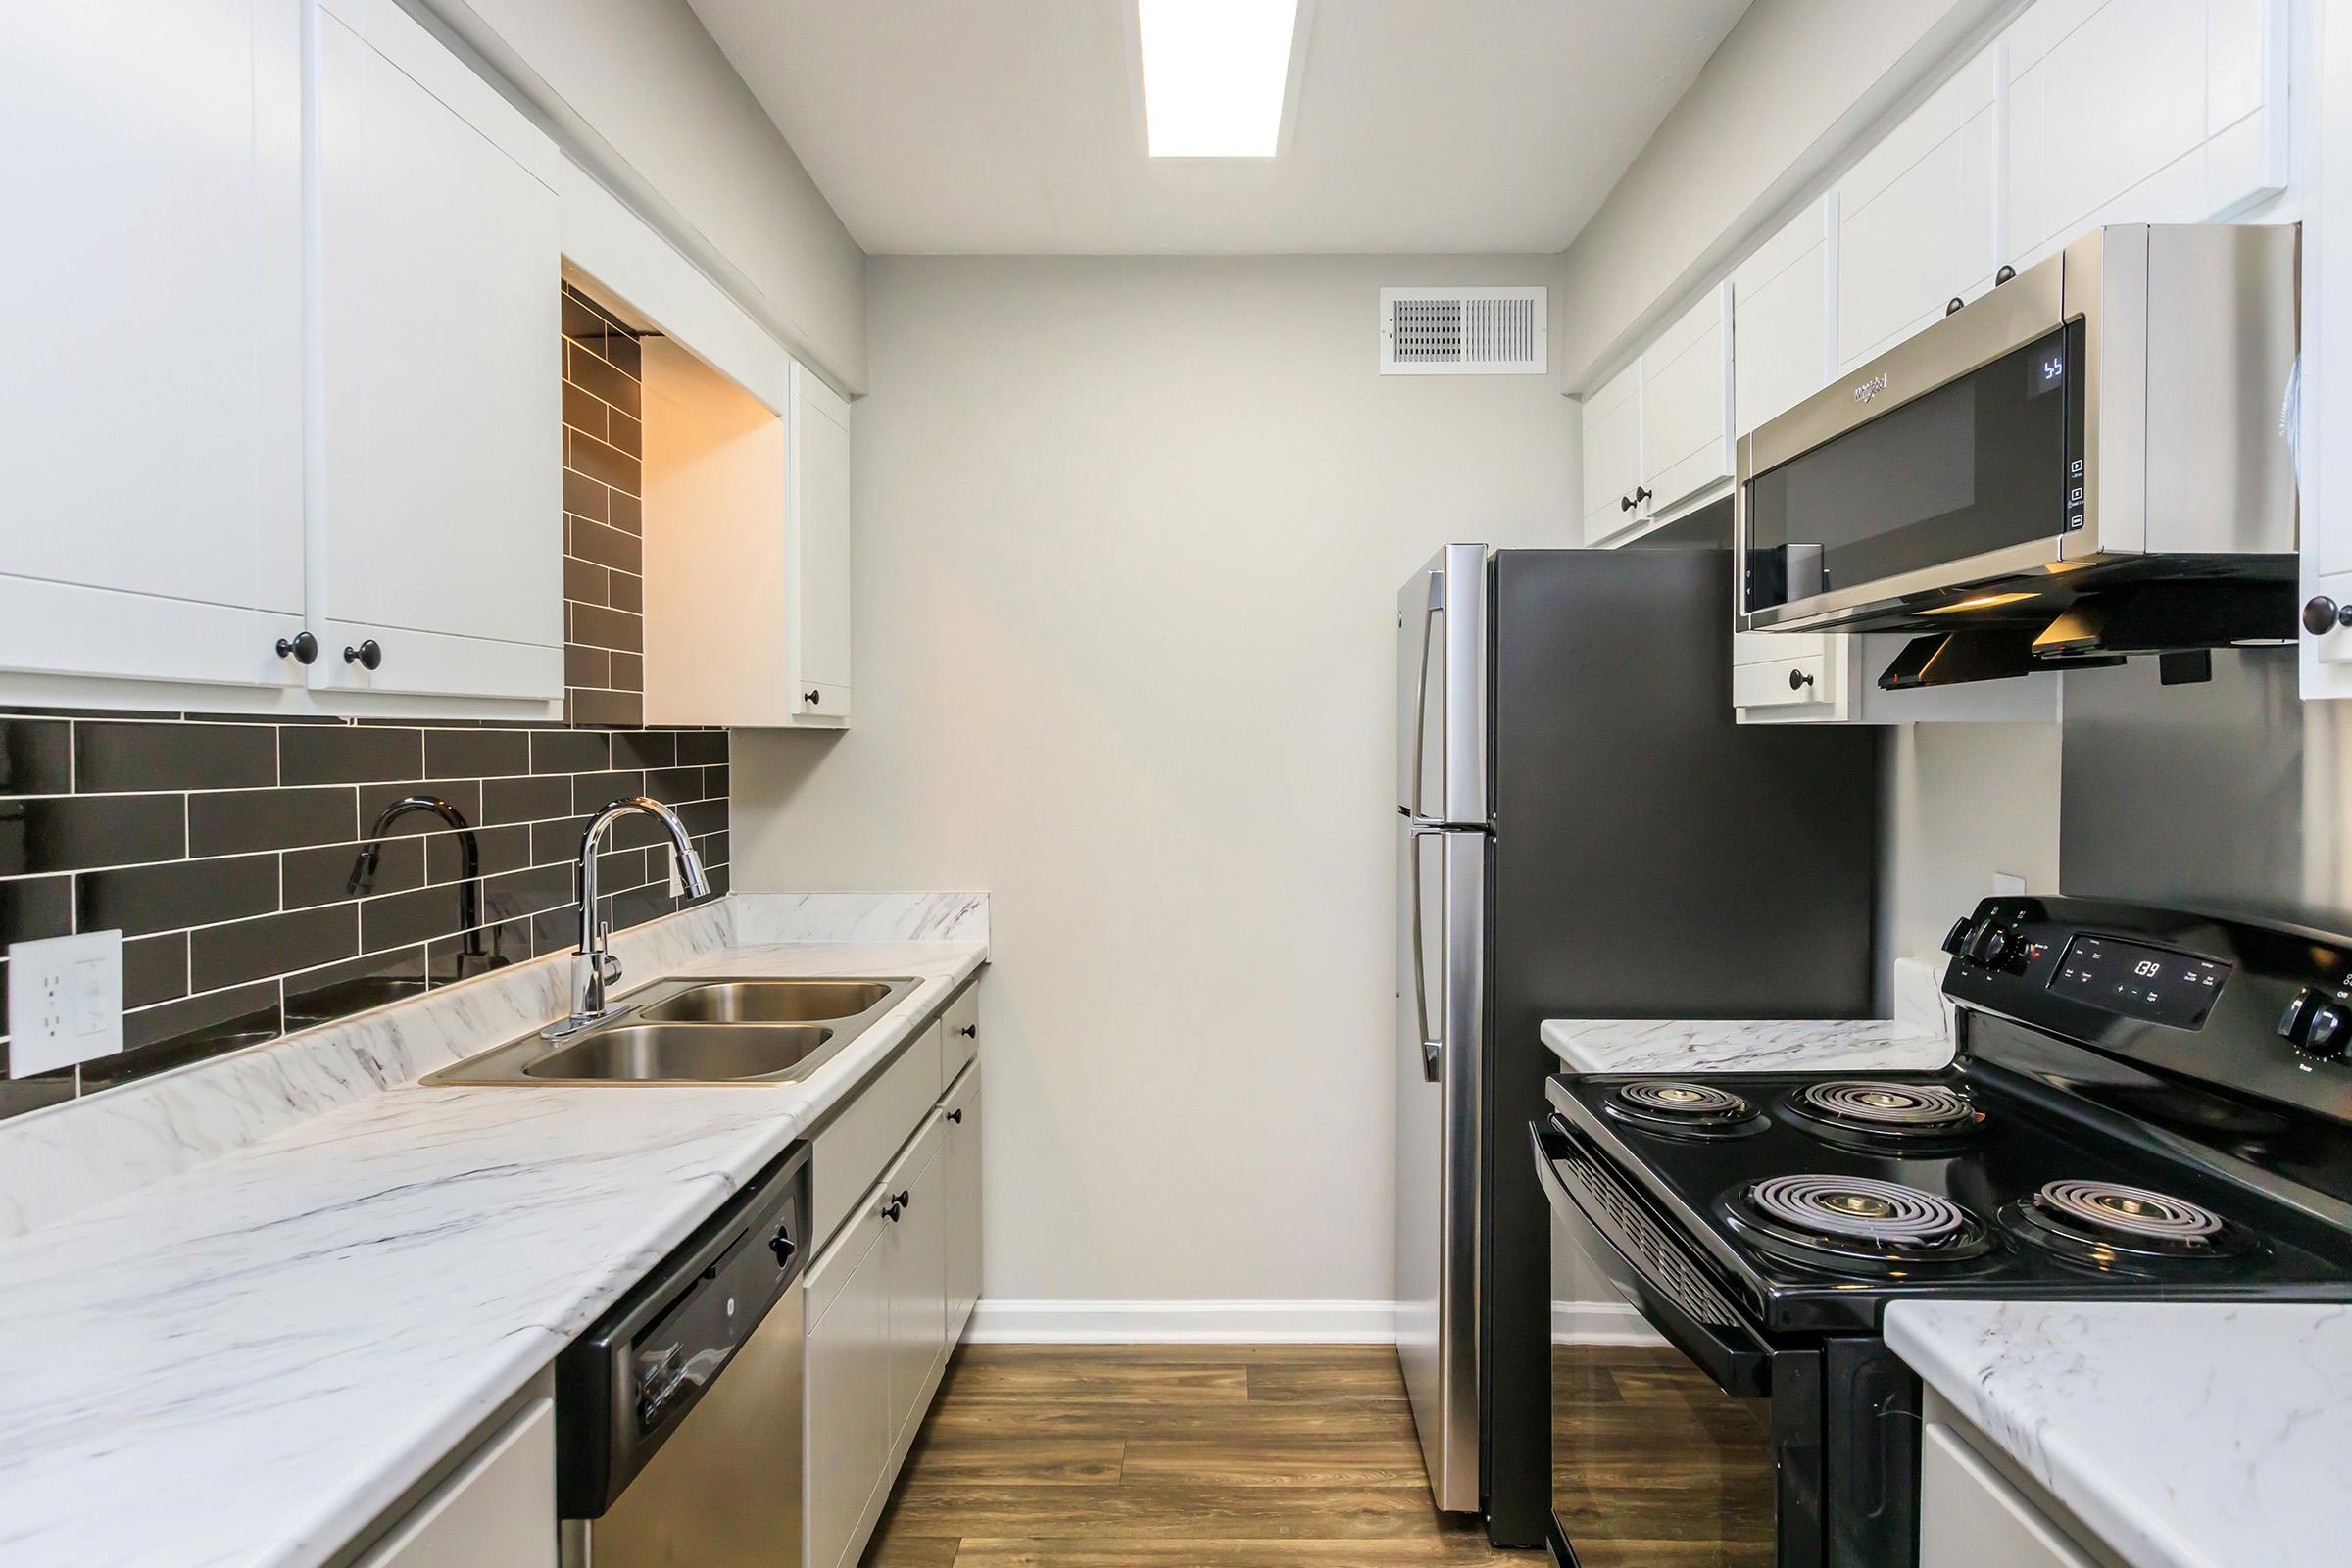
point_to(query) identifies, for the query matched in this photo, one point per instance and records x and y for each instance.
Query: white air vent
(1462, 331)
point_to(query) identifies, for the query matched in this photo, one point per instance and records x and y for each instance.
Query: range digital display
(2143, 982)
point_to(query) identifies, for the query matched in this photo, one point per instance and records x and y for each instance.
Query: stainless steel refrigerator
(1579, 817)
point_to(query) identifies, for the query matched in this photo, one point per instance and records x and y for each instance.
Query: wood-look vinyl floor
(1174, 1457)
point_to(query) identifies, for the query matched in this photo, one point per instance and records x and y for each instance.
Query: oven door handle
(1726, 1348)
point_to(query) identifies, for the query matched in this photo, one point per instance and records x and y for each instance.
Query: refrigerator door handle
(1430, 613)
(1433, 1044)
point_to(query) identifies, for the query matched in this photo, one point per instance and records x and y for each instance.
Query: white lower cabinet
(497, 1510)
(1969, 1516)
(890, 1293)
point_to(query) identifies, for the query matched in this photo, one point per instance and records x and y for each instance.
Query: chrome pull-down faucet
(594, 970)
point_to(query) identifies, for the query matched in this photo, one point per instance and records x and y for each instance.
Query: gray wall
(1129, 536)
(2228, 796)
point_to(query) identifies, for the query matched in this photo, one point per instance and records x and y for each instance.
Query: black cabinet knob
(1624, 502)
(2004, 274)
(301, 648)
(812, 696)
(369, 655)
(1798, 680)
(956, 1117)
(906, 1199)
(1641, 493)
(894, 1210)
(970, 1031)
(1953, 304)
(2323, 615)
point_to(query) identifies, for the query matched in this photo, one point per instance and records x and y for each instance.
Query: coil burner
(1874, 1111)
(2110, 1227)
(1682, 1109)
(1853, 1224)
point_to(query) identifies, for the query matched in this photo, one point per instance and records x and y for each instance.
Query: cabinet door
(1612, 421)
(1916, 223)
(1686, 405)
(2143, 111)
(846, 1433)
(963, 1118)
(1969, 1516)
(497, 1511)
(152, 388)
(1781, 350)
(819, 529)
(436, 529)
(916, 1245)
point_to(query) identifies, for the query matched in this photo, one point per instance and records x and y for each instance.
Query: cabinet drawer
(825, 701)
(498, 1511)
(848, 1154)
(1782, 683)
(962, 1040)
(1777, 647)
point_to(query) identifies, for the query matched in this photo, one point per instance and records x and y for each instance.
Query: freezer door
(1441, 692)
(1441, 963)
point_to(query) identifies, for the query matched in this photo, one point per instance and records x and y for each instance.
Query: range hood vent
(2167, 618)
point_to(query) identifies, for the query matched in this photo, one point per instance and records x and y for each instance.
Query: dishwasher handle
(627, 1384)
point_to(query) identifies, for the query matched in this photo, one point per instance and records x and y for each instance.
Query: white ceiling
(1011, 126)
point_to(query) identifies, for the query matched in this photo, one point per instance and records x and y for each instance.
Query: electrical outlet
(65, 1001)
(2005, 886)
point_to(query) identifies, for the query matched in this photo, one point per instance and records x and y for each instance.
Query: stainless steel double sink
(700, 1031)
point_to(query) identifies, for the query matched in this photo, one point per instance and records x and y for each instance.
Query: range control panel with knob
(2319, 1022)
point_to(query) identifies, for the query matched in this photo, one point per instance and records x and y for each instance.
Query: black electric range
(2146, 1105)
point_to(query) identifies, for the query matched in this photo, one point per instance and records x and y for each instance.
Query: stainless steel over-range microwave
(2108, 420)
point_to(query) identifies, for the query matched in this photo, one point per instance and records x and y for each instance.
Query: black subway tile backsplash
(350, 753)
(232, 821)
(225, 850)
(143, 755)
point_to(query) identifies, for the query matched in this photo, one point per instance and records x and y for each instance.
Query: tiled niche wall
(603, 523)
(234, 857)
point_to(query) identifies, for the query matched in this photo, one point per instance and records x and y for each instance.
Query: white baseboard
(1258, 1323)
(1183, 1323)
(1600, 1323)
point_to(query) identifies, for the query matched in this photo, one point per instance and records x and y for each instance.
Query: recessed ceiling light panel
(1216, 75)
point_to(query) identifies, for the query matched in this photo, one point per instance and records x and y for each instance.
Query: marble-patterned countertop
(2184, 1434)
(246, 1360)
(1918, 1039)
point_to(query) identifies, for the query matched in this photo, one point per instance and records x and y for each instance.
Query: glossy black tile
(32, 907)
(405, 919)
(569, 750)
(703, 816)
(229, 955)
(234, 821)
(702, 747)
(137, 900)
(355, 985)
(109, 758)
(476, 753)
(349, 754)
(72, 833)
(526, 800)
(645, 747)
(557, 841)
(386, 811)
(717, 784)
(35, 756)
(492, 850)
(521, 893)
(592, 791)
(155, 969)
(674, 786)
(36, 1093)
(451, 959)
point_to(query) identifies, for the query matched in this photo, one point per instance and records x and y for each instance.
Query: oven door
(1703, 1449)
(1952, 461)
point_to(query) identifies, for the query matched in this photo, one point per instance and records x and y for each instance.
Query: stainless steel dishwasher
(678, 1412)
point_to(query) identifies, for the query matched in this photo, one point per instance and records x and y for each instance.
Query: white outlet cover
(2005, 886)
(65, 1001)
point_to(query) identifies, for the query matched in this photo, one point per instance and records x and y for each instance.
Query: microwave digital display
(1976, 465)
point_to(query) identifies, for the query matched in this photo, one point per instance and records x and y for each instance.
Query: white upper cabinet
(152, 392)
(818, 528)
(1686, 405)
(1916, 217)
(436, 523)
(1784, 351)
(1612, 427)
(2143, 112)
